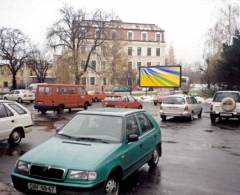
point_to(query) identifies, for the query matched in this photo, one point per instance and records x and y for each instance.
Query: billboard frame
(156, 67)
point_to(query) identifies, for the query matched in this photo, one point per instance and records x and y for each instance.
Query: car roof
(111, 111)
(228, 92)
(178, 95)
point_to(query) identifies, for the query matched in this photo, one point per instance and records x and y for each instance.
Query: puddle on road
(169, 141)
(209, 130)
(48, 124)
(10, 151)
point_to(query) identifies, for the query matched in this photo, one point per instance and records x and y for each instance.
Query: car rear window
(218, 97)
(173, 100)
(18, 109)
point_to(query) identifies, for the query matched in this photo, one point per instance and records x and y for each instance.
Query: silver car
(20, 96)
(180, 106)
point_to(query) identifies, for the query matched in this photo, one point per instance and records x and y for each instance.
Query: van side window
(72, 90)
(48, 90)
(82, 91)
(41, 89)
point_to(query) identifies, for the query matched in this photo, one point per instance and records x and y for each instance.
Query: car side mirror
(133, 137)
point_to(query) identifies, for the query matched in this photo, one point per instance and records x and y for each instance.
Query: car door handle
(155, 135)
(12, 121)
(141, 145)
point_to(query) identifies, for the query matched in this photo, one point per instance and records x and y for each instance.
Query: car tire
(155, 158)
(163, 117)
(19, 100)
(140, 107)
(31, 101)
(200, 114)
(5, 98)
(85, 107)
(15, 137)
(112, 185)
(155, 103)
(43, 111)
(213, 119)
(60, 109)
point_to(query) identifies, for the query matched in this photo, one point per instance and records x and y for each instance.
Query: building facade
(143, 44)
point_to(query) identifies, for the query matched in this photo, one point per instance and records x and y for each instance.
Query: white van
(33, 87)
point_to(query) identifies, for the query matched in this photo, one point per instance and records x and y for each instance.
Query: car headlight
(22, 166)
(82, 175)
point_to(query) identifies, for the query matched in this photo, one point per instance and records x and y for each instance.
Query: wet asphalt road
(198, 158)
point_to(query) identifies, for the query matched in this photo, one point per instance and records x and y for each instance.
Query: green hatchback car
(91, 154)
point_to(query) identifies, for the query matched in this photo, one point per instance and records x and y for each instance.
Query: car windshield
(90, 126)
(221, 95)
(173, 100)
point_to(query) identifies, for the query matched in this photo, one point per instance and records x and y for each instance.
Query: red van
(58, 97)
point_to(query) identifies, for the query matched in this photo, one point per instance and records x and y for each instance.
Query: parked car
(97, 96)
(20, 95)
(15, 122)
(91, 155)
(225, 104)
(58, 97)
(180, 106)
(121, 89)
(121, 102)
(158, 98)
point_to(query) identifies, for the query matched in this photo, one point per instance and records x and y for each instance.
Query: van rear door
(44, 95)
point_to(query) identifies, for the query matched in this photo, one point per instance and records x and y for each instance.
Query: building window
(93, 64)
(158, 37)
(130, 36)
(92, 80)
(2, 71)
(148, 63)
(144, 36)
(98, 34)
(31, 73)
(139, 64)
(104, 81)
(84, 80)
(130, 51)
(114, 35)
(139, 51)
(83, 64)
(149, 51)
(129, 65)
(157, 51)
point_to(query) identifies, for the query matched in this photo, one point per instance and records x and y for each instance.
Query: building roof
(110, 111)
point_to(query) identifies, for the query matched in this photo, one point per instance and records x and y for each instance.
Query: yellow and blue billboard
(160, 76)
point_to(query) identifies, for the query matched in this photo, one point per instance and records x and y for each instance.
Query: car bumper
(21, 184)
(179, 114)
(225, 114)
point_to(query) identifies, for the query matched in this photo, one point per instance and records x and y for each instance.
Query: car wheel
(15, 138)
(155, 103)
(5, 98)
(200, 114)
(31, 101)
(140, 107)
(19, 100)
(213, 119)
(60, 109)
(43, 111)
(85, 107)
(155, 158)
(112, 186)
(164, 118)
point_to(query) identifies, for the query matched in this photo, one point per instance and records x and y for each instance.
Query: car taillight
(186, 108)
(211, 107)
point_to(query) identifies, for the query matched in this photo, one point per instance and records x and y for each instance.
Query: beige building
(144, 45)
(25, 76)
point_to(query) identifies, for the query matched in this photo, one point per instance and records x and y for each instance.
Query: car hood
(70, 154)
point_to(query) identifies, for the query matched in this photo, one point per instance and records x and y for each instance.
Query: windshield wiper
(66, 135)
(92, 139)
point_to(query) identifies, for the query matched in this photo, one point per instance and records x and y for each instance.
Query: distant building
(144, 45)
(25, 76)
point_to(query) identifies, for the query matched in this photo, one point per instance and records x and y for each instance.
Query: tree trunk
(14, 81)
(77, 79)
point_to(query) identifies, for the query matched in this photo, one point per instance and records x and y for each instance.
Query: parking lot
(198, 158)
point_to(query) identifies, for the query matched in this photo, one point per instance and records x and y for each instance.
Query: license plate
(42, 188)
(225, 114)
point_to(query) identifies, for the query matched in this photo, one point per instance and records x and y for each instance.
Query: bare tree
(170, 57)
(13, 48)
(38, 63)
(76, 30)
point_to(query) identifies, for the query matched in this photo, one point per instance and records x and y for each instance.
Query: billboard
(160, 76)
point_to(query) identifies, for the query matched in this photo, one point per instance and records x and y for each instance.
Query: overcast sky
(185, 21)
